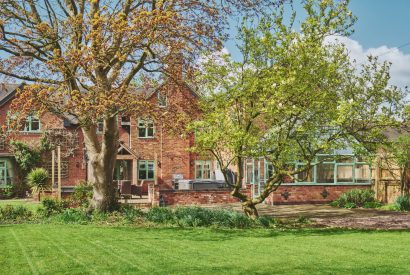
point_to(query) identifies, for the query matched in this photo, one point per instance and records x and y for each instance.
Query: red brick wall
(189, 197)
(171, 149)
(309, 193)
(76, 163)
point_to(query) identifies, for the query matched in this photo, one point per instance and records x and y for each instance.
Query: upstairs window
(32, 124)
(162, 99)
(145, 128)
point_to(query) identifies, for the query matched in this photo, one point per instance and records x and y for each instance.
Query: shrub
(52, 206)
(15, 213)
(130, 213)
(354, 198)
(193, 216)
(402, 203)
(266, 221)
(7, 192)
(160, 215)
(372, 204)
(82, 194)
(38, 180)
(26, 157)
(73, 215)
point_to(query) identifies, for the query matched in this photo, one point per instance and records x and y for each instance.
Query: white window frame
(202, 164)
(143, 124)
(28, 124)
(146, 163)
(162, 98)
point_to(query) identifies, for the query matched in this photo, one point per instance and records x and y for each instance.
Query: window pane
(325, 173)
(344, 173)
(150, 132)
(141, 132)
(162, 100)
(198, 171)
(150, 174)
(27, 126)
(3, 179)
(362, 173)
(35, 124)
(269, 172)
(305, 176)
(249, 178)
(207, 171)
(142, 174)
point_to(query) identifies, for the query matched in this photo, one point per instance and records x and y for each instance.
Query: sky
(382, 29)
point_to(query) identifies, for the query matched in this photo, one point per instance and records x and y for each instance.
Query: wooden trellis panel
(2, 144)
(64, 169)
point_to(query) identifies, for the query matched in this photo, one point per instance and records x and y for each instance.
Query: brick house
(141, 143)
(148, 154)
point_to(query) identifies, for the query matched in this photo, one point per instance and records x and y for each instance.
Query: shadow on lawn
(218, 234)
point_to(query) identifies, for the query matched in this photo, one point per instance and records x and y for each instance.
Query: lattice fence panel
(64, 169)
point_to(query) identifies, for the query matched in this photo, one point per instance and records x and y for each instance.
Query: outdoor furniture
(125, 187)
(137, 189)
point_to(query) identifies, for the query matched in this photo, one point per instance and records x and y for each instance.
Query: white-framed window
(162, 99)
(203, 169)
(145, 128)
(32, 124)
(146, 170)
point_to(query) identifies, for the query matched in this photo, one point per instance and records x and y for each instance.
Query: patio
(327, 216)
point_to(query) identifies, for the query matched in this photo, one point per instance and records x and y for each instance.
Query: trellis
(67, 140)
(2, 144)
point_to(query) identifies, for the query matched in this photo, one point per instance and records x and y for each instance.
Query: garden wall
(191, 197)
(295, 194)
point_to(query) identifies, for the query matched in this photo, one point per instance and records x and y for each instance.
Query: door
(3, 173)
(123, 170)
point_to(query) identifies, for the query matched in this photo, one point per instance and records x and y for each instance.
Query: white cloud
(400, 68)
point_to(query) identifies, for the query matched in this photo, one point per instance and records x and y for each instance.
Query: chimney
(175, 66)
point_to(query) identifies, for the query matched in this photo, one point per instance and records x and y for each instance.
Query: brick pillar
(153, 194)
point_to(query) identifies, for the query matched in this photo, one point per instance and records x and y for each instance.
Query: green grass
(89, 249)
(31, 205)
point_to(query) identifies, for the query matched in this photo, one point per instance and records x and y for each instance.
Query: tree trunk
(249, 208)
(102, 156)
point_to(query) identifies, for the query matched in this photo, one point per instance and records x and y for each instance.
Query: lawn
(83, 249)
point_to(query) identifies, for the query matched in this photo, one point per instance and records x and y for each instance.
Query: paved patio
(325, 215)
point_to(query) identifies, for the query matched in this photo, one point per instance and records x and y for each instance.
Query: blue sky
(382, 27)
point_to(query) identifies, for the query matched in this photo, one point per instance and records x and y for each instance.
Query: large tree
(292, 96)
(79, 58)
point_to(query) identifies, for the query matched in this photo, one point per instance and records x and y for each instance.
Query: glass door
(3, 173)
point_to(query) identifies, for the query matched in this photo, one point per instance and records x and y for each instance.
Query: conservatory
(327, 169)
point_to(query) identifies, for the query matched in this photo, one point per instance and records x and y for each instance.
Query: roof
(394, 133)
(7, 91)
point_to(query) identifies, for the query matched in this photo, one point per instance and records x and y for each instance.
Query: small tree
(291, 97)
(38, 181)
